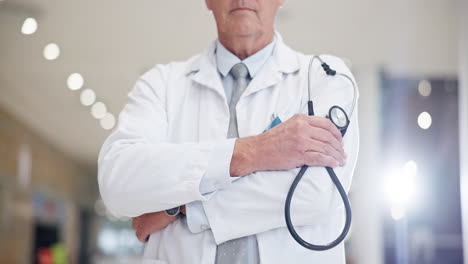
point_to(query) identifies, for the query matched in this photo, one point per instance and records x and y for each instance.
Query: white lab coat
(176, 122)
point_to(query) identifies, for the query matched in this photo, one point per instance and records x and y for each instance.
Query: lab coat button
(204, 227)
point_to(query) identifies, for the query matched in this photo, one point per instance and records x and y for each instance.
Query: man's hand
(149, 223)
(301, 140)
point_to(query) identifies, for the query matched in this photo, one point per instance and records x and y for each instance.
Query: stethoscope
(340, 119)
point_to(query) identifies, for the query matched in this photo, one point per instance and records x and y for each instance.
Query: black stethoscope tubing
(331, 172)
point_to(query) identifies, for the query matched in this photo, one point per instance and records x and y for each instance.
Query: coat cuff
(217, 175)
(196, 217)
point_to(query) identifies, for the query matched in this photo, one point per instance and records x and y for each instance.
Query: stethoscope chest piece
(339, 118)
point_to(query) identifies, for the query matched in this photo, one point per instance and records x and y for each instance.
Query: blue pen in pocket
(276, 121)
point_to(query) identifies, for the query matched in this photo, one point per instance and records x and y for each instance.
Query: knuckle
(301, 120)
(297, 128)
(326, 148)
(298, 117)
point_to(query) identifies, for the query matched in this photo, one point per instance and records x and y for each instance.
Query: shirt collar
(225, 59)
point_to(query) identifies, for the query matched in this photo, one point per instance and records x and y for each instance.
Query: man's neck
(245, 46)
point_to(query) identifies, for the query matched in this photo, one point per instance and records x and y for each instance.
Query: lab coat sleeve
(255, 203)
(139, 171)
(218, 172)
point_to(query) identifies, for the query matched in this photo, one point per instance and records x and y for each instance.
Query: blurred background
(66, 68)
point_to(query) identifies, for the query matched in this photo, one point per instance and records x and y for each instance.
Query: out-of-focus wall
(30, 166)
(367, 227)
(410, 37)
(463, 117)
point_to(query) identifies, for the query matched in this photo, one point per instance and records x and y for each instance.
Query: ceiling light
(98, 110)
(29, 26)
(424, 88)
(51, 51)
(87, 97)
(75, 81)
(108, 121)
(424, 120)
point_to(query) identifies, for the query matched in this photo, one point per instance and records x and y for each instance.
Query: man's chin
(246, 31)
(244, 34)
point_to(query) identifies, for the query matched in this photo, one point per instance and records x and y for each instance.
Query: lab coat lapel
(268, 76)
(283, 60)
(213, 111)
(253, 117)
(203, 71)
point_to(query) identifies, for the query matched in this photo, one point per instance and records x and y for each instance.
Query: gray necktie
(243, 250)
(240, 74)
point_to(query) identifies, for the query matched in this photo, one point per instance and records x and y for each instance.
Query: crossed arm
(136, 158)
(301, 140)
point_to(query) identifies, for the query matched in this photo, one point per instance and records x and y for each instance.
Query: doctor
(191, 138)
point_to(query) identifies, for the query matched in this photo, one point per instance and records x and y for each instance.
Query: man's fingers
(139, 229)
(324, 123)
(142, 236)
(326, 149)
(149, 223)
(325, 136)
(313, 158)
